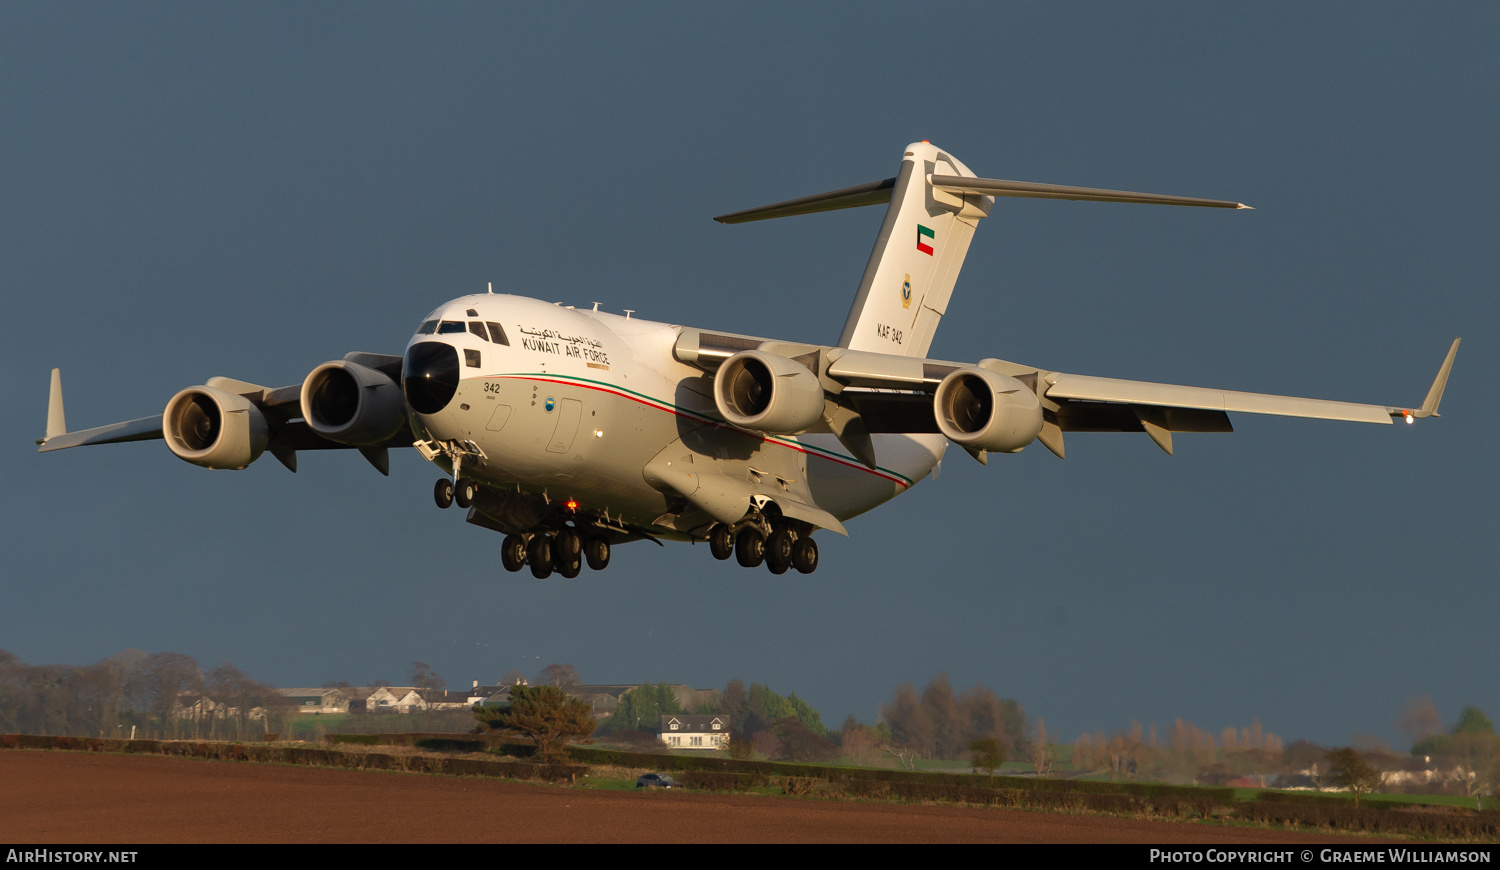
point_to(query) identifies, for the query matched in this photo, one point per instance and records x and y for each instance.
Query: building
(395, 699)
(694, 731)
(316, 700)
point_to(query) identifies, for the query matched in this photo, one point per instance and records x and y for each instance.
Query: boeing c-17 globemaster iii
(573, 430)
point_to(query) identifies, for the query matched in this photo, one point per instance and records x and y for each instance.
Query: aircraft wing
(878, 393)
(281, 408)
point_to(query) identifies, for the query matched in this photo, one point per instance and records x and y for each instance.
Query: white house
(316, 700)
(688, 731)
(395, 699)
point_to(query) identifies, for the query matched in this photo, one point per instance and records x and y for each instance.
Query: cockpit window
(497, 335)
(478, 329)
(427, 327)
(448, 327)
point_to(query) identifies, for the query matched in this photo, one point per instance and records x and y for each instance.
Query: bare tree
(862, 746)
(906, 755)
(168, 675)
(1479, 763)
(558, 675)
(424, 677)
(1040, 751)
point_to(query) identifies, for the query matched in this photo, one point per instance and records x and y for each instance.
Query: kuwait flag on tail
(922, 246)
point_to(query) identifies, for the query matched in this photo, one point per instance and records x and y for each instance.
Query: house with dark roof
(694, 731)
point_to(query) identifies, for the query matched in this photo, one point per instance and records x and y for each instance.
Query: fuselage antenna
(492, 288)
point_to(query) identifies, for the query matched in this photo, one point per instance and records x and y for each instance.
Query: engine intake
(980, 409)
(352, 404)
(767, 393)
(213, 428)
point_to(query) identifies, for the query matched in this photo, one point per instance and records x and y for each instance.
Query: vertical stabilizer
(917, 257)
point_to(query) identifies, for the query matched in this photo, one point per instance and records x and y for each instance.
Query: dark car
(657, 780)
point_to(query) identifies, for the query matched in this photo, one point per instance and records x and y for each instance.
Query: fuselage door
(569, 412)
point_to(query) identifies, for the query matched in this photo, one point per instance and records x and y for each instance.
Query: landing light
(572, 505)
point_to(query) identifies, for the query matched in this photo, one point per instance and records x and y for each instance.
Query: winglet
(57, 424)
(1435, 394)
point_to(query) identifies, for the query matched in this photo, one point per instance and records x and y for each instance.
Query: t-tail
(935, 204)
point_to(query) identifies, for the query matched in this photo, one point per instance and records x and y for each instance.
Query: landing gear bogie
(539, 557)
(596, 551)
(750, 548)
(779, 549)
(805, 555)
(513, 553)
(721, 541)
(568, 545)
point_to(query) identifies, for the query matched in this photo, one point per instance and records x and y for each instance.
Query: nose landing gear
(464, 491)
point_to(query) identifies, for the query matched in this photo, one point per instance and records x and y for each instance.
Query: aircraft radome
(572, 430)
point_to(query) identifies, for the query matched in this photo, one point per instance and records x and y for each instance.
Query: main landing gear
(746, 540)
(564, 552)
(565, 549)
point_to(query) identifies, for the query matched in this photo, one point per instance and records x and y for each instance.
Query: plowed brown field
(78, 797)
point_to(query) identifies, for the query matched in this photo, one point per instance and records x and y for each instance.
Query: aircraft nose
(429, 376)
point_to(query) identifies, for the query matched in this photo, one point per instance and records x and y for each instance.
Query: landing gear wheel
(570, 568)
(567, 546)
(464, 491)
(539, 557)
(779, 551)
(805, 555)
(750, 548)
(596, 550)
(721, 541)
(513, 553)
(442, 492)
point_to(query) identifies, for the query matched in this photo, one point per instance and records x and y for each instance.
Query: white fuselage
(579, 402)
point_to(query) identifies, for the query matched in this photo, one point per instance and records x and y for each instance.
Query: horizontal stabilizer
(1032, 190)
(874, 193)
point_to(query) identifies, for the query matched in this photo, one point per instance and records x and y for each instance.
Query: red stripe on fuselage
(673, 411)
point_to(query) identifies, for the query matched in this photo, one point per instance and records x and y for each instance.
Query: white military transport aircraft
(569, 431)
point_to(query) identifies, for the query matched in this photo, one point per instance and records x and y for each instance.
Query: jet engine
(352, 404)
(214, 428)
(764, 392)
(981, 410)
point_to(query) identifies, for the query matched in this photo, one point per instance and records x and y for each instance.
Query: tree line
(163, 695)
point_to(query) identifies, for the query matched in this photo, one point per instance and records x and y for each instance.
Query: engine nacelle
(980, 409)
(213, 428)
(764, 392)
(352, 404)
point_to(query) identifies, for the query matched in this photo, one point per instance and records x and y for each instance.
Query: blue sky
(191, 190)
